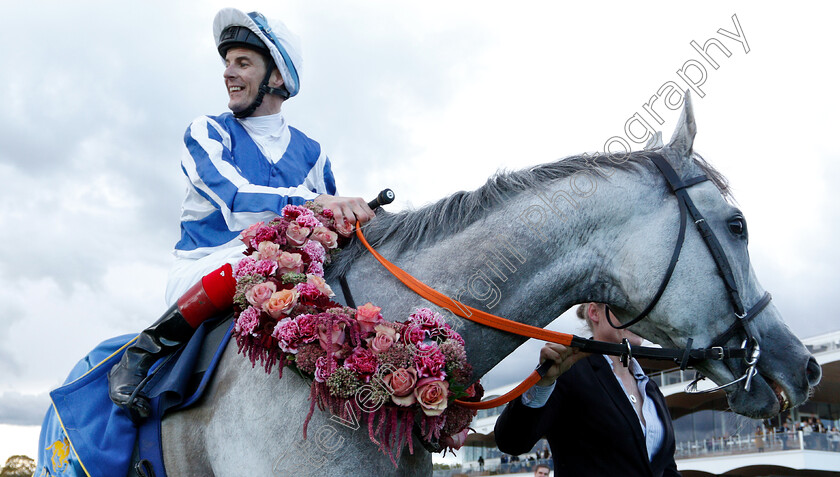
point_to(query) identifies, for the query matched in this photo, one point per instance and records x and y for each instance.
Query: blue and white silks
(239, 171)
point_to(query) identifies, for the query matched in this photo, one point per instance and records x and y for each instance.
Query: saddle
(95, 438)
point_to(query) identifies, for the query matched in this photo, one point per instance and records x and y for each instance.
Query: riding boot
(212, 295)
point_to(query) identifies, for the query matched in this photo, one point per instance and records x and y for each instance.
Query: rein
(625, 350)
(749, 350)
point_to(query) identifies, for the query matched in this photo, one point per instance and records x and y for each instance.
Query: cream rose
(431, 395)
(268, 251)
(331, 339)
(289, 262)
(402, 382)
(320, 284)
(296, 235)
(326, 237)
(385, 337)
(368, 317)
(281, 302)
(260, 293)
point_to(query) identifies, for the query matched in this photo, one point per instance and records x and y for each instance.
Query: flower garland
(398, 374)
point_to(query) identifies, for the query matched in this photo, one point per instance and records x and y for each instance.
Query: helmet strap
(264, 88)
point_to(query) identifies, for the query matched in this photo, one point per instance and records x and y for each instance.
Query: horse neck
(509, 264)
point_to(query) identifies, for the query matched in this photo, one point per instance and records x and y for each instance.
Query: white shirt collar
(271, 125)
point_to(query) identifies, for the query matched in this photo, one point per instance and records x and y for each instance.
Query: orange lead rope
(478, 316)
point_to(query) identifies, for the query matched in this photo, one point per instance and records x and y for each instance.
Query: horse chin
(765, 399)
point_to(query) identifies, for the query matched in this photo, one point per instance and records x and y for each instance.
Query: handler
(600, 418)
(241, 167)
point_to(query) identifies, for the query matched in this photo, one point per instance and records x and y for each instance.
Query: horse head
(697, 303)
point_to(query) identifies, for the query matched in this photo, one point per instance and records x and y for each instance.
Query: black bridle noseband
(749, 349)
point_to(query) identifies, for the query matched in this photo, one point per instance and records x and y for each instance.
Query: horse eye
(737, 225)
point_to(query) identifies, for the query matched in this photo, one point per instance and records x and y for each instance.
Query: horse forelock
(415, 228)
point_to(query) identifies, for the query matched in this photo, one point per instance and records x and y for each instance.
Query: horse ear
(655, 142)
(682, 140)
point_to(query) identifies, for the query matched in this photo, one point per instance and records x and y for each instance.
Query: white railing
(748, 444)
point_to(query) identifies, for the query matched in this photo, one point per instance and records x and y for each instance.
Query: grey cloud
(23, 409)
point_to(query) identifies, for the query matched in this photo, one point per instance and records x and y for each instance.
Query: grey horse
(527, 245)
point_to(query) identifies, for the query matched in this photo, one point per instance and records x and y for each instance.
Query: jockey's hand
(346, 211)
(562, 356)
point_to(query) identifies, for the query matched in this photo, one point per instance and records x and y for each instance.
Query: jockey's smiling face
(244, 71)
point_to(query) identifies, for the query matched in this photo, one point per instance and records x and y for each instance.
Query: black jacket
(590, 425)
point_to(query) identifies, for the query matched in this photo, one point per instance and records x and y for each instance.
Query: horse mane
(411, 229)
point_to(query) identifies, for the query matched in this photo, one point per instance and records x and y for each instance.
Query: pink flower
(308, 292)
(331, 337)
(248, 235)
(265, 268)
(432, 395)
(248, 321)
(320, 284)
(280, 302)
(259, 293)
(246, 266)
(307, 327)
(456, 441)
(296, 235)
(384, 339)
(326, 237)
(315, 251)
(315, 268)
(324, 367)
(268, 251)
(289, 262)
(362, 361)
(402, 382)
(308, 220)
(287, 334)
(368, 317)
(265, 234)
(429, 361)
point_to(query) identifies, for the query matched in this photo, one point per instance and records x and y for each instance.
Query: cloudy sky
(424, 97)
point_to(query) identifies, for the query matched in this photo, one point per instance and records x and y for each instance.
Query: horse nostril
(813, 372)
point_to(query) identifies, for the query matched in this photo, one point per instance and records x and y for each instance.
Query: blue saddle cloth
(85, 434)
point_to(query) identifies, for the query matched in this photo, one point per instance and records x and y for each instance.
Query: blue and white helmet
(282, 45)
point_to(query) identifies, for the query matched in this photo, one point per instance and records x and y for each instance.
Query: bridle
(716, 350)
(743, 317)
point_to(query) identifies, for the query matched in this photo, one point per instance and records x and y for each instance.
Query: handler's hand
(346, 210)
(563, 356)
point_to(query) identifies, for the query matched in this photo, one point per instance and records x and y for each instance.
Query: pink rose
(432, 394)
(368, 317)
(326, 237)
(248, 234)
(384, 339)
(289, 262)
(456, 441)
(331, 339)
(280, 302)
(320, 284)
(259, 293)
(296, 235)
(402, 382)
(268, 251)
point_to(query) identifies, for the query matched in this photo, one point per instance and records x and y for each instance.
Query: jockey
(241, 167)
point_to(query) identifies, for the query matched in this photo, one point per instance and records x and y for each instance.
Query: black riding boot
(213, 294)
(163, 337)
